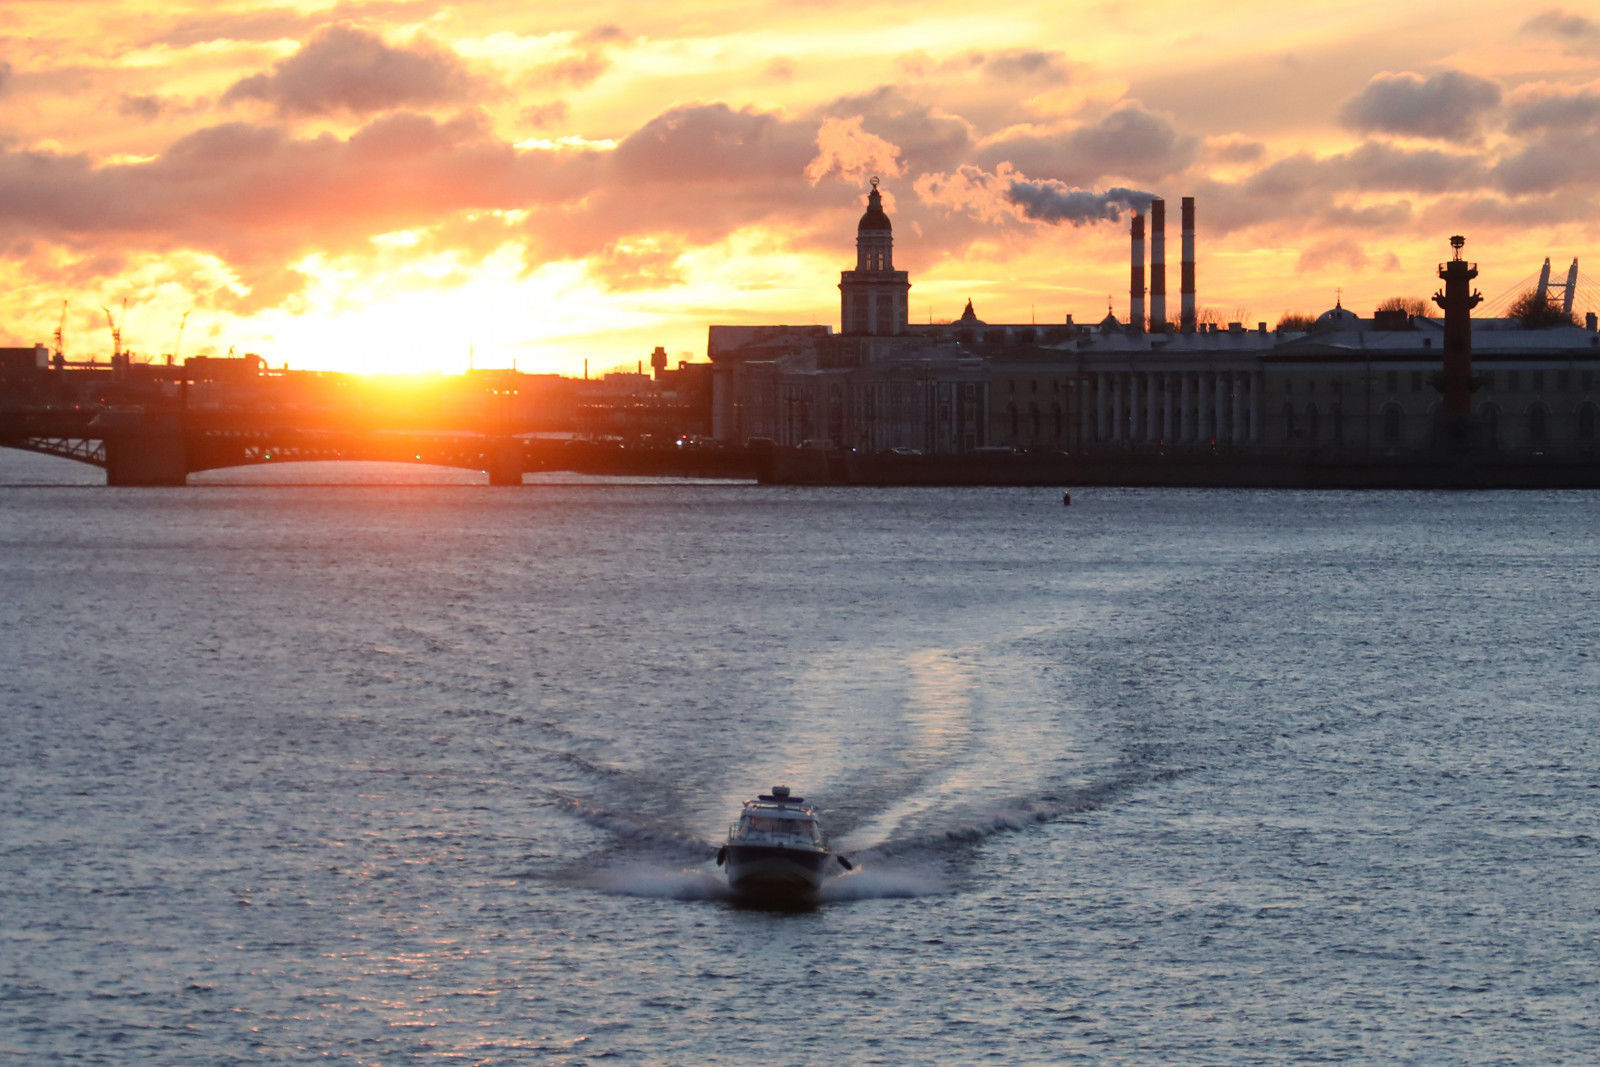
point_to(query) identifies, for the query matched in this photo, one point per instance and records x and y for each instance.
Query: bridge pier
(154, 456)
(503, 457)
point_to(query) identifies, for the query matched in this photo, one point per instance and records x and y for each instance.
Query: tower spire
(873, 297)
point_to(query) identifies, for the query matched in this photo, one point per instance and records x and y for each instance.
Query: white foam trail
(642, 880)
(878, 883)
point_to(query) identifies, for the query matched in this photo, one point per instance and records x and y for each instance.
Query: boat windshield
(765, 824)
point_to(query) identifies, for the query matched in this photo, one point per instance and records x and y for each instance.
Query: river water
(380, 764)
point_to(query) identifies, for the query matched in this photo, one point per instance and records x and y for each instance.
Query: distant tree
(1206, 316)
(1296, 322)
(1538, 314)
(1411, 305)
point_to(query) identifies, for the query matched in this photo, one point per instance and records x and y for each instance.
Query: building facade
(1347, 385)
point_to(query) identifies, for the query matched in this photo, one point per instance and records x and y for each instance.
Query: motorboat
(776, 852)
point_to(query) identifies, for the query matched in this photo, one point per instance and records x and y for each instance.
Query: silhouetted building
(1348, 385)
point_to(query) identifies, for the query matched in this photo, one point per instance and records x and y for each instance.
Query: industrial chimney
(1158, 266)
(1136, 282)
(1186, 321)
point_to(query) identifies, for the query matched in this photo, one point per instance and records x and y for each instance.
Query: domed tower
(873, 297)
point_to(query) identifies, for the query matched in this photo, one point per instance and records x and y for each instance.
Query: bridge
(140, 448)
(136, 448)
(149, 425)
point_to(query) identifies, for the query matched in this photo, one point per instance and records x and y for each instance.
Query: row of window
(1393, 416)
(1509, 381)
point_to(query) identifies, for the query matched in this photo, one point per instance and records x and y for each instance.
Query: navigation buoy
(1066, 499)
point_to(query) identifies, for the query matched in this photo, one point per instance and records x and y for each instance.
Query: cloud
(1559, 160)
(844, 148)
(252, 195)
(583, 67)
(140, 107)
(1449, 105)
(1129, 143)
(715, 143)
(1360, 188)
(1558, 23)
(641, 263)
(926, 139)
(1339, 252)
(1555, 111)
(346, 69)
(1049, 68)
(1235, 150)
(5, 76)
(283, 23)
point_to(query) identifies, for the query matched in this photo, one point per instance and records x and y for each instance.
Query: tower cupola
(873, 297)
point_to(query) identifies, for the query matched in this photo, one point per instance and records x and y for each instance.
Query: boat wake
(694, 884)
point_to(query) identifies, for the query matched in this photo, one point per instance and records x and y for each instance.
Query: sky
(389, 185)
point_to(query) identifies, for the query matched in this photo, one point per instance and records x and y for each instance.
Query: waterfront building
(1348, 385)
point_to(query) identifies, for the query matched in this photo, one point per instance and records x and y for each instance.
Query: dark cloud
(572, 72)
(254, 196)
(714, 143)
(584, 66)
(1377, 167)
(1560, 111)
(1013, 67)
(1558, 23)
(143, 107)
(1048, 201)
(1371, 187)
(927, 140)
(1449, 105)
(346, 69)
(1559, 160)
(1130, 142)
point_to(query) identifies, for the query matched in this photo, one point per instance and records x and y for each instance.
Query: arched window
(1336, 417)
(1011, 414)
(1289, 431)
(1033, 415)
(1313, 422)
(1586, 422)
(1538, 419)
(1055, 420)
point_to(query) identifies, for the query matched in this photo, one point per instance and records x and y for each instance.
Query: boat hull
(770, 872)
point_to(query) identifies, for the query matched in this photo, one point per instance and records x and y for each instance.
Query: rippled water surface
(388, 765)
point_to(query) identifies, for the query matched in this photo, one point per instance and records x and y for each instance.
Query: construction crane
(116, 333)
(61, 330)
(176, 345)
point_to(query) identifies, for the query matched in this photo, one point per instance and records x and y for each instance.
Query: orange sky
(405, 185)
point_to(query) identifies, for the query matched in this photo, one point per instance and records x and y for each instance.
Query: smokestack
(1186, 282)
(1136, 282)
(1158, 266)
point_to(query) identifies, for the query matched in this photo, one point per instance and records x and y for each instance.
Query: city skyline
(410, 186)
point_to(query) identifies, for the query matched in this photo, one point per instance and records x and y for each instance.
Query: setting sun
(380, 187)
